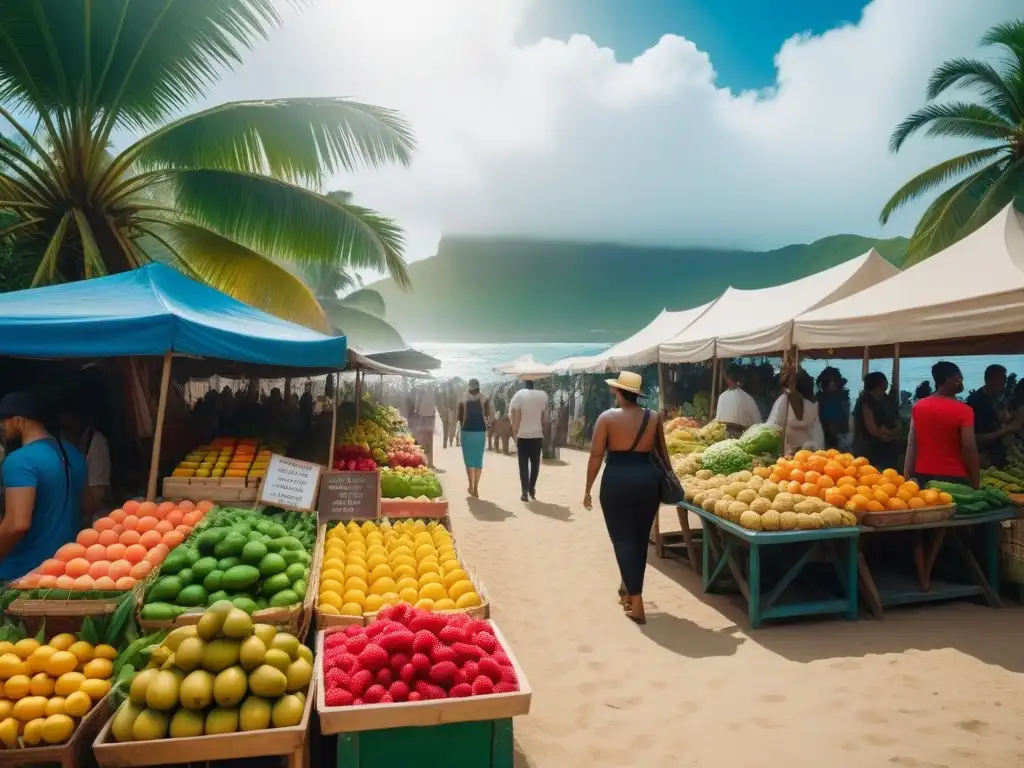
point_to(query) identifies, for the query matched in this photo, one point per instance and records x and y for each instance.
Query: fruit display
(118, 551)
(970, 501)
(404, 452)
(410, 484)
(759, 504)
(254, 559)
(850, 482)
(369, 566)
(47, 687)
(354, 458)
(222, 675)
(410, 655)
(370, 437)
(225, 457)
(692, 448)
(367, 446)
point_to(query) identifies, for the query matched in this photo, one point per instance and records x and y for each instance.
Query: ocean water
(477, 360)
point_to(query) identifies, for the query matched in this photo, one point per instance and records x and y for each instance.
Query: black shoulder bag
(669, 487)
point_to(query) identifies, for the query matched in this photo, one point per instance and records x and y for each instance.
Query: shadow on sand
(553, 511)
(487, 511)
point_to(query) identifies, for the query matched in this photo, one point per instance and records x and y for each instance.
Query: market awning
(358, 360)
(525, 366)
(411, 359)
(974, 288)
(152, 311)
(742, 323)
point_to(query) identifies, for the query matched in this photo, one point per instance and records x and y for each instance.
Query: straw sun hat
(627, 382)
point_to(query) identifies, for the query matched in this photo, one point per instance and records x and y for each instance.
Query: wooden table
(727, 546)
(884, 589)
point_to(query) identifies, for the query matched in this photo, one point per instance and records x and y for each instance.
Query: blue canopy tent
(156, 311)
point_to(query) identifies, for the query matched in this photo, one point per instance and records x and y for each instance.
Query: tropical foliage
(981, 182)
(228, 194)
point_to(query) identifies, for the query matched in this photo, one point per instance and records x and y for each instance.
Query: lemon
(78, 704)
(25, 648)
(96, 689)
(330, 610)
(356, 570)
(16, 687)
(356, 546)
(333, 575)
(407, 582)
(55, 706)
(375, 537)
(68, 683)
(356, 558)
(41, 685)
(330, 585)
(29, 708)
(447, 604)
(409, 595)
(33, 735)
(6, 647)
(334, 564)
(401, 550)
(381, 572)
(376, 550)
(355, 582)
(354, 596)
(9, 732)
(390, 598)
(428, 565)
(460, 588)
(368, 527)
(98, 669)
(373, 603)
(449, 558)
(400, 560)
(426, 550)
(425, 604)
(39, 658)
(404, 571)
(332, 599)
(83, 651)
(450, 577)
(57, 729)
(6, 707)
(468, 600)
(377, 559)
(351, 609)
(62, 662)
(433, 591)
(429, 578)
(382, 585)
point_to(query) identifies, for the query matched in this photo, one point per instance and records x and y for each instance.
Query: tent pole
(865, 363)
(714, 388)
(334, 421)
(158, 433)
(894, 385)
(661, 387)
(359, 393)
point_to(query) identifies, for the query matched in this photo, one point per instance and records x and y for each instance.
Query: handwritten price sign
(290, 484)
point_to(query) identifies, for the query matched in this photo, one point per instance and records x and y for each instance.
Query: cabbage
(761, 438)
(726, 457)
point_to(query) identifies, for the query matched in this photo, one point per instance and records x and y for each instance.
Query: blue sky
(741, 36)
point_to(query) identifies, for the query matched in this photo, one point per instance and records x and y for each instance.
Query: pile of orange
(849, 482)
(120, 549)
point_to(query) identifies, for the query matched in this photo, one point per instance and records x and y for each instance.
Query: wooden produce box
(482, 744)
(216, 490)
(420, 714)
(291, 743)
(71, 755)
(399, 508)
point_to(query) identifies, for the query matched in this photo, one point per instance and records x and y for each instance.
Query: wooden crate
(42, 608)
(481, 744)
(71, 755)
(291, 743)
(374, 717)
(398, 508)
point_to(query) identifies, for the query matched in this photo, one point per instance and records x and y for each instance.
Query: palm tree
(987, 178)
(227, 194)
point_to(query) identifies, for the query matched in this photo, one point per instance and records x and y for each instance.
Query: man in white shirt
(529, 412)
(93, 445)
(735, 407)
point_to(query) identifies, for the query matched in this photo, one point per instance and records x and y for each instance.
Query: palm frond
(1009, 35)
(245, 274)
(288, 222)
(47, 270)
(937, 175)
(298, 140)
(982, 76)
(954, 120)
(999, 194)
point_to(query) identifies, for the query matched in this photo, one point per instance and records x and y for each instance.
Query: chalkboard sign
(348, 496)
(289, 484)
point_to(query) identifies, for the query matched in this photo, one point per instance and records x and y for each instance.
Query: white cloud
(561, 139)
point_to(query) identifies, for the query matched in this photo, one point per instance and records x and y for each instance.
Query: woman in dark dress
(630, 488)
(874, 423)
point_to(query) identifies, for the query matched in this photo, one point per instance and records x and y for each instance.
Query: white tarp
(758, 322)
(973, 288)
(525, 367)
(639, 349)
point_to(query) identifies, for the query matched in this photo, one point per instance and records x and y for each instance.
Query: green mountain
(518, 289)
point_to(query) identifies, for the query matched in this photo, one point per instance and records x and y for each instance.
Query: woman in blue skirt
(474, 415)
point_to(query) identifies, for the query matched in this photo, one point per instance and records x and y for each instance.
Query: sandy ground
(939, 685)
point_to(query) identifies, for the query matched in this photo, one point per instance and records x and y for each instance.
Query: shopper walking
(474, 413)
(529, 411)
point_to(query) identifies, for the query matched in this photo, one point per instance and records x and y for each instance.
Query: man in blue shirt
(43, 483)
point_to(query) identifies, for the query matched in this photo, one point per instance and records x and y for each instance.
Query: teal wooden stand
(480, 744)
(727, 546)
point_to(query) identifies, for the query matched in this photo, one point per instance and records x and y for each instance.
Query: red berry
(386, 613)
(361, 680)
(508, 675)
(338, 698)
(451, 635)
(458, 619)
(399, 660)
(356, 644)
(373, 694)
(431, 622)
(336, 678)
(460, 691)
(429, 691)
(374, 629)
(441, 652)
(373, 657)
(502, 658)
(355, 629)
(386, 699)
(399, 690)
(407, 673)
(414, 696)
(399, 640)
(482, 686)
(490, 668)
(385, 677)
(471, 669)
(421, 663)
(346, 662)
(358, 703)
(460, 677)
(465, 652)
(486, 641)
(334, 640)
(478, 625)
(423, 641)
(506, 688)
(443, 672)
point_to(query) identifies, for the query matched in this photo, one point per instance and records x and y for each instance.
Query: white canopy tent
(742, 323)
(639, 349)
(525, 367)
(973, 288)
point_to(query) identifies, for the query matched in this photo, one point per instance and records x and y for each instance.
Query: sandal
(635, 619)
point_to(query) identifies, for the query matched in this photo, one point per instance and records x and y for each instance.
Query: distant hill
(517, 289)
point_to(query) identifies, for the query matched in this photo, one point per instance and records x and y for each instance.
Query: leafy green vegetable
(761, 438)
(726, 457)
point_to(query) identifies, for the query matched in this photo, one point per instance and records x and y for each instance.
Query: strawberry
(346, 662)
(334, 640)
(502, 658)
(386, 699)
(385, 676)
(399, 690)
(337, 679)
(443, 672)
(471, 669)
(414, 696)
(506, 688)
(356, 644)
(358, 703)
(508, 675)
(338, 698)
(460, 691)
(441, 652)
(451, 635)
(460, 677)
(465, 652)
(399, 640)
(355, 629)
(387, 613)
(430, 622)
(374, 629)
(407, 673)
(361, 680)
(331, 657)
(490, 668)
(399, 660)
(421, 663)
(478, 625)
(373, 657)
(373, 694)
(423, 641)
(459, 619)
(429, 691)
(482, 686)
(486, 641)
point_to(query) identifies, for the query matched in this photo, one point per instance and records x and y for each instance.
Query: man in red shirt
(941, 445)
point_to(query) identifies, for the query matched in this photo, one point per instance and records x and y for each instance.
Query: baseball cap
(23, 404)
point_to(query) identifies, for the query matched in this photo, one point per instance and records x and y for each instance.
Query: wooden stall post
(894, 384)
(865, 364)
(661, 387)
(158, 432)
(714, 388)
(359, 393)
(334, 420)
